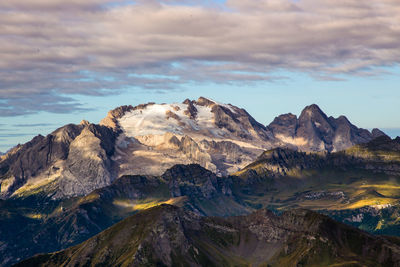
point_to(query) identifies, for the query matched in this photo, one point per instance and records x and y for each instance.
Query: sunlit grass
(147, 203)
(342, 264)
(34, 187)
(370, 202)
(89, 198)
(380, 186)
(36, 216)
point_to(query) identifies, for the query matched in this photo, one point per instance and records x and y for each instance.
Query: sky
(64, 61)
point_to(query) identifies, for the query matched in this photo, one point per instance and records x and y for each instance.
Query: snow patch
(156, 120)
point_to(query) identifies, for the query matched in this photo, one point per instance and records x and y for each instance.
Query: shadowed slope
(168, 236)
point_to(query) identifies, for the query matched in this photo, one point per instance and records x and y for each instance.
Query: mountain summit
(223, 138)
(315, 131)
(150, 138)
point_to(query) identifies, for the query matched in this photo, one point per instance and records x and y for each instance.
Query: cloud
(53, 50)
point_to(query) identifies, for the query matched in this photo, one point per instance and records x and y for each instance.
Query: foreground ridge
(169, 236)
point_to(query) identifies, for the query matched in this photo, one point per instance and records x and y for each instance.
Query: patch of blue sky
(392, 132)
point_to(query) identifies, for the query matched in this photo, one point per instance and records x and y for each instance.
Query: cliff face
(73, 160)
(169, 236)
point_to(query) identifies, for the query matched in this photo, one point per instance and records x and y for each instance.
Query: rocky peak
(202, 101)
(84, 123)
(314, 131)
(342, 120)
(284, 124)
(313, 116)
(191, 110)
(69, 155)
(312, 111)
(113, 115)
(383, 143)
(191, 180)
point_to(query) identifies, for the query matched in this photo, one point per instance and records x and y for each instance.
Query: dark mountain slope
(169, 236)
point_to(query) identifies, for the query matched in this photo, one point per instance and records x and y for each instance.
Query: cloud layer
(52, 50)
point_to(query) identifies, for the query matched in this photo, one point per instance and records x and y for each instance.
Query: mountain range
(150, 138)
(88, 189)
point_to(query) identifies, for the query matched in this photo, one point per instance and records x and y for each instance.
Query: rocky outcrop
(113, 115)
(193, 151)
(377, 133)
(285, 124)
(283, 161)
(75, 159)
(88, 165)
(191, 180)
(35, 157)
(171, 236)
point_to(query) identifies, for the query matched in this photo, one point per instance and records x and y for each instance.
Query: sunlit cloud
(53, 50)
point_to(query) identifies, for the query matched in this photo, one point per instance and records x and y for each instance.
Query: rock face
(169, 236)
(314, 131)
(73, 160)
